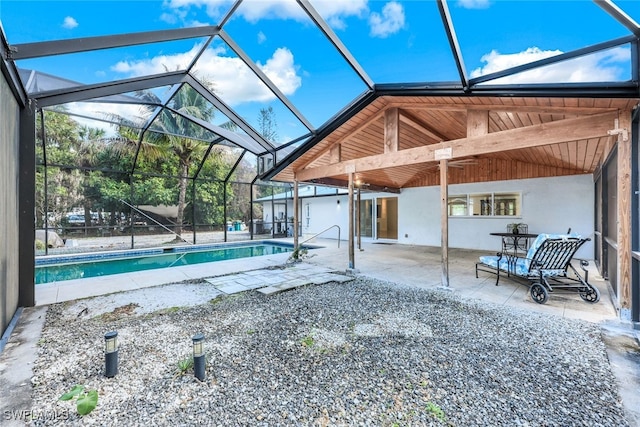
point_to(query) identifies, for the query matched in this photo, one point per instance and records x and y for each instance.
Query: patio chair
(516, 245)
(546, 268)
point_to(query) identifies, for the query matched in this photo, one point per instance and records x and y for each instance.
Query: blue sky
(394, 41)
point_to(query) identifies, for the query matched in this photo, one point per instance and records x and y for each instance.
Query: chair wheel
(592, 295)
(539, 293)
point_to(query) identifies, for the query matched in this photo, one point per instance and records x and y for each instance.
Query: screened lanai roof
(312, 64)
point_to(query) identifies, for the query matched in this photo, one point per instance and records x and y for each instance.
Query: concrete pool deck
(68, 290)
(413, 265)
(418, 266)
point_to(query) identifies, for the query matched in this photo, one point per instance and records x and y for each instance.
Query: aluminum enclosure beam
(8, 69)
(619, 15)
(62, 47)
(332, 124)
(220, 105)
(556, 59)
(337, 43)
(99, 90)
(266, 80)
(453, 41)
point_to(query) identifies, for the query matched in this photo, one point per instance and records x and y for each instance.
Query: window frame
(488, 200)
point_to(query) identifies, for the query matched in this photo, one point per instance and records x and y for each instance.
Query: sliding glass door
(381, 223)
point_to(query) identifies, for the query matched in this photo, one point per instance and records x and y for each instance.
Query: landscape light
(198, 356)
(111, 354)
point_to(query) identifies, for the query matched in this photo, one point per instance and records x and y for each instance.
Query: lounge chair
(546, 268)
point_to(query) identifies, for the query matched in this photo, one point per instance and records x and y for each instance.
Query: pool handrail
(161, 225)
(316, 235)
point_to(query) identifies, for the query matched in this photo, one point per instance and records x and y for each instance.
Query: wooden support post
(444, 221)
(296, 215)
(335, 154)
(358, 220)
(352, 261)
(624, 193)
(391, 130)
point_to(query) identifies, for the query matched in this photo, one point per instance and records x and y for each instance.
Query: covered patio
(404, 141)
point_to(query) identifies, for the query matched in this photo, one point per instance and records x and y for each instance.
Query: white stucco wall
(549, 205)
(323, 213)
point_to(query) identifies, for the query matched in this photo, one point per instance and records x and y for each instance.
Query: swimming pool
(71, 267)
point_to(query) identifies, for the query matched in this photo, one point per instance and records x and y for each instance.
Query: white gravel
(360, 353)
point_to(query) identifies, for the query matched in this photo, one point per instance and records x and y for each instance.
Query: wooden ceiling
(397, 142)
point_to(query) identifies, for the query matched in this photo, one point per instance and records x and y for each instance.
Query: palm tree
(169, 130)
(90, 146)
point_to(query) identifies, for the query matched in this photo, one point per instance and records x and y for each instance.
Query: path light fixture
(111, 354)
(198, 356)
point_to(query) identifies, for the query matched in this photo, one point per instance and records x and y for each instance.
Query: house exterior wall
(9, 239)
(550, 205)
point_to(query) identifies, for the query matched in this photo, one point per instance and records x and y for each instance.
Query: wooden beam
(391, 130)
(342, 183)
(406, 118)
(534, 109)
(514, 139)
(353, 132)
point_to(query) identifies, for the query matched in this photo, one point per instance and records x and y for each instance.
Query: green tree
(172, 133)
(91, 145)
(267, 124)
(58, 146)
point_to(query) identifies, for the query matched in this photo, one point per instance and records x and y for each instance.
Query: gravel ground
(361, 353)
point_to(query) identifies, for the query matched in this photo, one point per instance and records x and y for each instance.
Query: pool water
(92, 266)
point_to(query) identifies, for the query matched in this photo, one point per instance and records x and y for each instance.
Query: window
(485, 204)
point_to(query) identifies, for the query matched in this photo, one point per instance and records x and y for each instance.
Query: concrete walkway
(418, 266)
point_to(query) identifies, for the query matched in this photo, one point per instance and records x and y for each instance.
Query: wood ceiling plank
(532, 136)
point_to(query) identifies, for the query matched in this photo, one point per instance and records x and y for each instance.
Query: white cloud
(261, 37)
(69, 23)
(169, 18)
(254, 10)
(389, 22)
(233, 80)
(100, 111)
(281, 69)
(332, 11)
(214, 8)
(600, 66)
(474, 4)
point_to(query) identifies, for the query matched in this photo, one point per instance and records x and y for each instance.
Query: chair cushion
(521, 267)
(544, 236)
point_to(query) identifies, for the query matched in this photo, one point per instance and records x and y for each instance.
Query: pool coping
(67, 290)
(44, 260)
